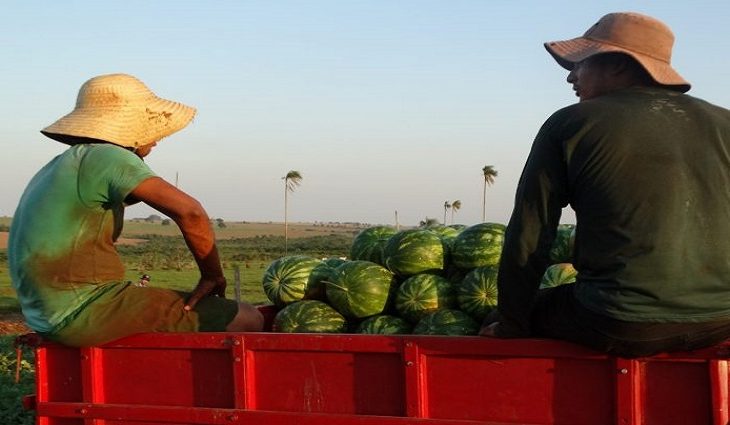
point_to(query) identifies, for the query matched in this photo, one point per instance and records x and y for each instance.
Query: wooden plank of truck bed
(268, 378)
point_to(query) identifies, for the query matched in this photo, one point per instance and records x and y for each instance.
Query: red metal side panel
(168, 377)
(533, 390)
(273, 379)
(59, 374)
(538, 383)
(346, 375)
(676, 392)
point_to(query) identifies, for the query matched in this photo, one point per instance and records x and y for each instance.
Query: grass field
(158, 250)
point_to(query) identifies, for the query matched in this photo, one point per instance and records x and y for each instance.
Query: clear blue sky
(381, 105)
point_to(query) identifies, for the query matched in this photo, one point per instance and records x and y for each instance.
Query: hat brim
(569, 52)
(132, 126)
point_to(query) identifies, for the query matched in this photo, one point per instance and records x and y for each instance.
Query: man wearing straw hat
(63, 264)
(646, 169)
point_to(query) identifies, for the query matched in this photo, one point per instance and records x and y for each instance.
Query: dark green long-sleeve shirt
(647, 171)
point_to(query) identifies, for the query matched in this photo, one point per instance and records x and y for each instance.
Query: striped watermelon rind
(359, 289)
(368, 244)
(477, 293)
(558, 274)
(479, 245)
(447, 322)
(384, 324)
(287, 279)
(422, 294)
(414, 251)
(561, 250)
(309, 316)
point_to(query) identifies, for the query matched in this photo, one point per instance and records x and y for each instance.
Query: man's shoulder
(107, 153)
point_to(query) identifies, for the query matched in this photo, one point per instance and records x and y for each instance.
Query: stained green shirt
(647, 172)
(60, 248)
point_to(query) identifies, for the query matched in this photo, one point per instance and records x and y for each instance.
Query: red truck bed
(265, 378)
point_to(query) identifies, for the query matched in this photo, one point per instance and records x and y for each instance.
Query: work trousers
(559, 315)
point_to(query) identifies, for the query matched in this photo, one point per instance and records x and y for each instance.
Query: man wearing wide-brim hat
(646, 169)
(67, 274)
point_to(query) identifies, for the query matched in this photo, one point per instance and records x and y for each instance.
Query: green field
(158, 250)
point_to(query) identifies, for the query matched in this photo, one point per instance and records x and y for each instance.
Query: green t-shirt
(61, 245)
(647, 172)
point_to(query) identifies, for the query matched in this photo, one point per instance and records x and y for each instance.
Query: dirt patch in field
(130, 241)
(3, 240)
(12, 323)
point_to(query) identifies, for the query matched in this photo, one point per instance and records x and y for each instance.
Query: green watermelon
(446, 233)
(447, 322)
(384, 324)
(320, 274)
(360, 289)
(479, 245)
(558, 274)
(369, 243)
(422, 294)
(561, 250)
(309, 316)
(413, 251)
(287, 279)
(477, 293)
(457, 227)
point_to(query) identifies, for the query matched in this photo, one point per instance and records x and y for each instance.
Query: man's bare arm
(194, 224)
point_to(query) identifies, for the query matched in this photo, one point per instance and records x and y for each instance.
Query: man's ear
(620, 65)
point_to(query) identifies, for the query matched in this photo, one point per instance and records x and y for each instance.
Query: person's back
(645, 168)
(61, 251)
(67, 274)
(646, 172)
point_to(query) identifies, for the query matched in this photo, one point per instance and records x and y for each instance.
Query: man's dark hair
(631, 65)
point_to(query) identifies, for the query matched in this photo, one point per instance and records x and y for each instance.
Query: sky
(387, 108)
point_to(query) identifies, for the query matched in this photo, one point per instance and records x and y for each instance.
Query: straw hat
(642, 37)
(120, 109)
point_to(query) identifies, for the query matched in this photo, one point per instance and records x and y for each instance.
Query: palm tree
(447, 205)
(489, 174)
(455, 206)
(291, 181)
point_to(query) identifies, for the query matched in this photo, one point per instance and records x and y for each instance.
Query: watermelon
(447, 322)
(455, 274)
(384, 324)
(369, 243)
(479, 245)
(360, 289)
(477, 293)
(309, 316)
(446, 233)
(457, 227)
(558, 274)
(287, 279)
(422, 294)
(320, 274)
(413, 251)
(561, 250)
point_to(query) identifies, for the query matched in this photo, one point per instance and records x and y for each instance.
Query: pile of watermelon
(440, 280)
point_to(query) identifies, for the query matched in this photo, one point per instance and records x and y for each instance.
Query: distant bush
(4, 228)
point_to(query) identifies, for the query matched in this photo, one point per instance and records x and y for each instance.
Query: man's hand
(206, 287)
(497, 326)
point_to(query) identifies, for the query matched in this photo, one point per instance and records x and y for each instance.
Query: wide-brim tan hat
(120, 109)
(642, 37)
